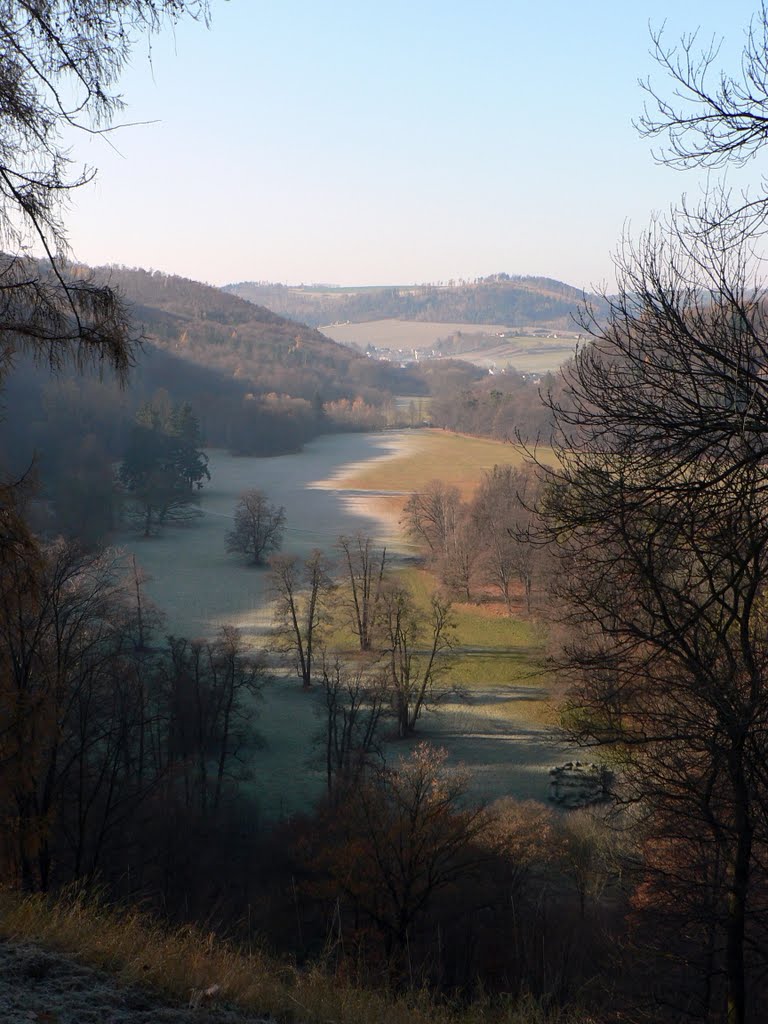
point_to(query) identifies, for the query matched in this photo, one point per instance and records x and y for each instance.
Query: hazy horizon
(367, 147)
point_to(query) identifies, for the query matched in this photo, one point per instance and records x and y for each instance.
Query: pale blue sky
(363, 143)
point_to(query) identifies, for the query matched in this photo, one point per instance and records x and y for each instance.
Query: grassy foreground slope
(177, 966)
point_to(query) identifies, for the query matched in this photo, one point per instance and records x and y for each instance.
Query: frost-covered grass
(170, 966)
(201, 587)
(193, 579)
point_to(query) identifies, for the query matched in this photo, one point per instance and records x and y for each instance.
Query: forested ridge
(258, 383)
(498, 299)
(224, 332)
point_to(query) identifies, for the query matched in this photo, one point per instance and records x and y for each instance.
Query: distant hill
(221, 331)
(499, 299)
(258, 383)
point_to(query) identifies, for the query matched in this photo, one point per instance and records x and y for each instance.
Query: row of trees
(507, 406)
(104, 724)
(484, 544)
(401, 645)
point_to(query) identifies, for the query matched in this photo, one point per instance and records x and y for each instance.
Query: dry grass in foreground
(178, 962)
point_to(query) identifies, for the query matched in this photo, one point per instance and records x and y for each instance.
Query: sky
(389, 143)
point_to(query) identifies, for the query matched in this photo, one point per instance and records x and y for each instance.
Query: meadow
(499, 727)
(433, 454)
(526, 354)
(499, 720)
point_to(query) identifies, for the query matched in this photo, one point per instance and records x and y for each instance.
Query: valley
(344, 484)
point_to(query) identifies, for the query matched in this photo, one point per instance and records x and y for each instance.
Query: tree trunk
(737, 907)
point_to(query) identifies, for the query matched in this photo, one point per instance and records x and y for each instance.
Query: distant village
(494, 353)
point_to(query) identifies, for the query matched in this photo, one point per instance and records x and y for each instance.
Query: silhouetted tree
(405, 835)
(61, 61)
(713, 118)
(208, 690)
(60, 617)
(356, 702)
(658, 521)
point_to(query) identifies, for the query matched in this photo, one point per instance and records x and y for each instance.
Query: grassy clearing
(176, 963)
(478, 625)
(493, 641)
(439, 455)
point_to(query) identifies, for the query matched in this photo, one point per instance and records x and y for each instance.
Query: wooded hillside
(224, 332)
(498, 299)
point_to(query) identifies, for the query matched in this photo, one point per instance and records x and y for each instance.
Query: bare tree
(589, 852)
(658, 517)
(414, 645)
(432, 516)
(438, 519)
(713, 118)
(59, 615)
(406, 835)
(457, 567)
(502, 512)
(209, 689)
(259, 527)
(356, 703)
(61, 61)
(365, 567)
(300, 590)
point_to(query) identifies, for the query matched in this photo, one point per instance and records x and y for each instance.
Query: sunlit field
(434, 454)
(406, 334)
